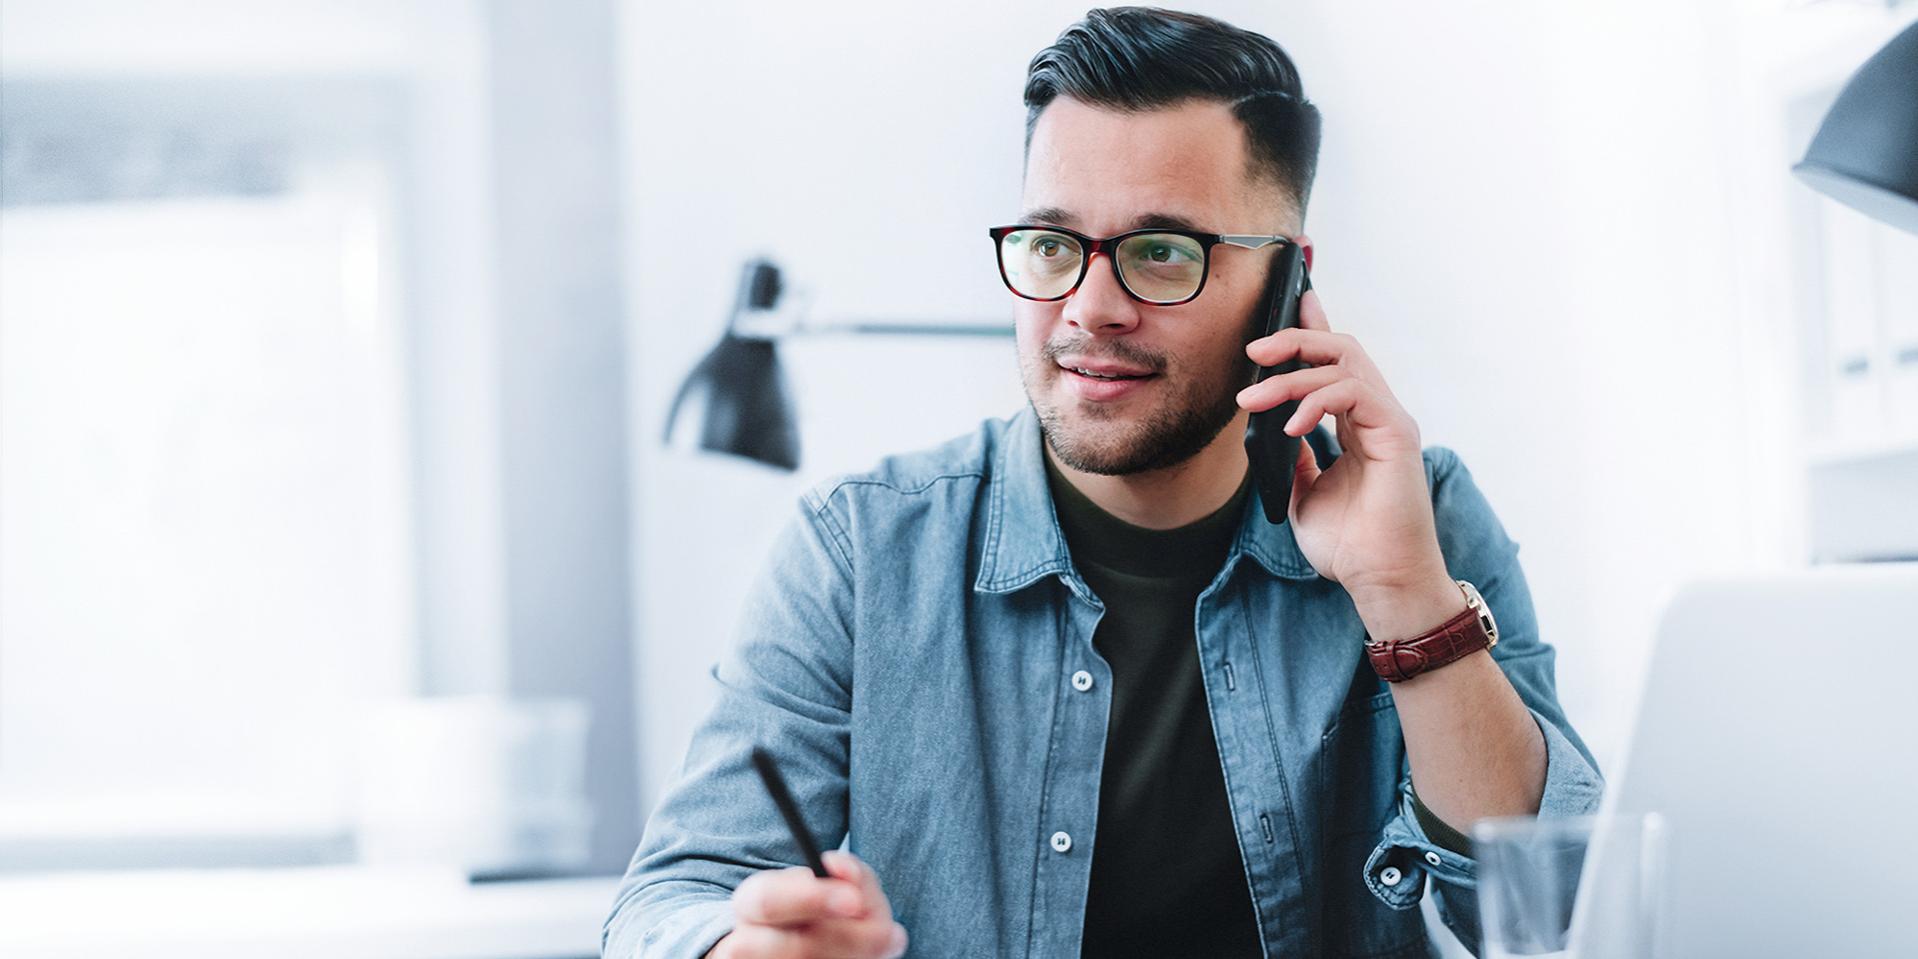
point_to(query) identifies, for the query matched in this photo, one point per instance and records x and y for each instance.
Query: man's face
(1101, 172)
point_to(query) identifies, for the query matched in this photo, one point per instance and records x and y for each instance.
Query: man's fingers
(1305, 472)
(768, 942)
(793, 897)
(829, 939)
(872, 938)
(851, 868)
(844, 865)
(791, 912)
(1318, 347)
(880, 937)
(1348, 397)
(1289, 386)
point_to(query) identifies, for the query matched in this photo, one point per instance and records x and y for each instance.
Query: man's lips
(1103, 369)
(1096, 386)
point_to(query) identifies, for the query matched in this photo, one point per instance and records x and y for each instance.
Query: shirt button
(1061, 842)
(1390, 875)
(1082, 680)
(1432, 857)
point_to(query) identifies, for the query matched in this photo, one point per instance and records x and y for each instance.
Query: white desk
(346, 911)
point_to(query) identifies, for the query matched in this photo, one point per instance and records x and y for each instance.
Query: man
(1059, 685)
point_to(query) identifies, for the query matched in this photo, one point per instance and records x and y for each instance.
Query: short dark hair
(1140, 58)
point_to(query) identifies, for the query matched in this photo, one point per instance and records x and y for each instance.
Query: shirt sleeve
(1440, 832)
(785, 684)
(1477, 550)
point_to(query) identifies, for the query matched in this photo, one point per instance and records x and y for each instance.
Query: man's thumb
(1304, 473)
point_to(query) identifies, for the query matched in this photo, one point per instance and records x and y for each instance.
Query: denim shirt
(911, 654)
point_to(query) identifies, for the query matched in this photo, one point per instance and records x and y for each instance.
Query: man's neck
(1172, 497)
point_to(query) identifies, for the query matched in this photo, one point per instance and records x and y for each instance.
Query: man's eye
(1048, 247)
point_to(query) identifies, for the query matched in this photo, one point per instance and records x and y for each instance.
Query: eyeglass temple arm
(1252, 241)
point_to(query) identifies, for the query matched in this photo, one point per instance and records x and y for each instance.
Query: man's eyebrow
(1058, 216)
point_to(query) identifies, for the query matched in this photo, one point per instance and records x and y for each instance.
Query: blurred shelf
(345, 911)
(1840, 454)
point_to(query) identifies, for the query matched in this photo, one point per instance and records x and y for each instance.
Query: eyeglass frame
(1092, 246)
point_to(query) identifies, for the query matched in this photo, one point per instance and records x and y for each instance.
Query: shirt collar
(1025, 544)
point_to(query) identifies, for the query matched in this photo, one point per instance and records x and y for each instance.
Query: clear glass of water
(1580, 887)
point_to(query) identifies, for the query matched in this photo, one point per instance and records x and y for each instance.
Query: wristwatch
(1458, 637)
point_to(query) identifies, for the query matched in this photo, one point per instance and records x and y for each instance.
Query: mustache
(1121, 352)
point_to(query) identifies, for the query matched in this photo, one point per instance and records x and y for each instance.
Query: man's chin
(1110, 440)
(1105, 446)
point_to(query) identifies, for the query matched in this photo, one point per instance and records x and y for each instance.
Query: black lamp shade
(738, 399)
(1866, 152)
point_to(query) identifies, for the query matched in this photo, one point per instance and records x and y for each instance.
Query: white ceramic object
(484, 784)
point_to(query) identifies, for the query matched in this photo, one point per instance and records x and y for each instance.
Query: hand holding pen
(830, 908)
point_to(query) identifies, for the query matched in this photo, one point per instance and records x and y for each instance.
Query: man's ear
(1305, 244)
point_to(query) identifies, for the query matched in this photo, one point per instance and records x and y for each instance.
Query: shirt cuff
(688, 931)
(1407, 853)
(1440, 831)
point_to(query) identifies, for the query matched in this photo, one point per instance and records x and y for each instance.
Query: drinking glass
(1574, 887)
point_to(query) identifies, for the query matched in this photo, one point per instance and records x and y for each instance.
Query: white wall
(1523, 211)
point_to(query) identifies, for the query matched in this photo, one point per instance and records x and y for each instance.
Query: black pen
(788, 810)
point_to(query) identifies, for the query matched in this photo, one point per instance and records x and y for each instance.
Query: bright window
(205, 555)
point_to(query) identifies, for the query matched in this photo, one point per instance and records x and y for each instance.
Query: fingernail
(846, 902)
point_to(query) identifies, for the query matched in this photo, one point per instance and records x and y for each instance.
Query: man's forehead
(1097, 169)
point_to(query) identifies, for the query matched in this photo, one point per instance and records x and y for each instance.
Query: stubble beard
(1097, 438)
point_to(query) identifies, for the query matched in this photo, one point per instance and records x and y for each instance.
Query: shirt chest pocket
(1359, 769)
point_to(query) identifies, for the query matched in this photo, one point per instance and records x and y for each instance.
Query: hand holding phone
(1272, 453)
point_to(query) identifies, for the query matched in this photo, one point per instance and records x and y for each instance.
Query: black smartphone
(1272, 452)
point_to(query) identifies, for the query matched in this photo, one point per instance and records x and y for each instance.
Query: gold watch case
(1477, 602)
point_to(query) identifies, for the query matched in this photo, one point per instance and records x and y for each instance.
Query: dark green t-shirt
(1167, 879)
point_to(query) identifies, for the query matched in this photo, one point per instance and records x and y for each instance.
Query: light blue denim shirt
(908, 654)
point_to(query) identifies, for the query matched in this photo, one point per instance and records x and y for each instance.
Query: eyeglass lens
(1157, 267)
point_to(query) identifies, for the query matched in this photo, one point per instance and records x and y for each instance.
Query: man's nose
(1100, 305)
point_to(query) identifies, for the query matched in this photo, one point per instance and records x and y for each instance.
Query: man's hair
(1141, 58)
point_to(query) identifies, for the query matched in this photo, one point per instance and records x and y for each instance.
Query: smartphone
(1272, 452)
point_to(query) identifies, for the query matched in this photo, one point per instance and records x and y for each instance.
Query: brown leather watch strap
(1458, 637)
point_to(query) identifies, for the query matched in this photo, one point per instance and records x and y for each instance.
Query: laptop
(1777, 735)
